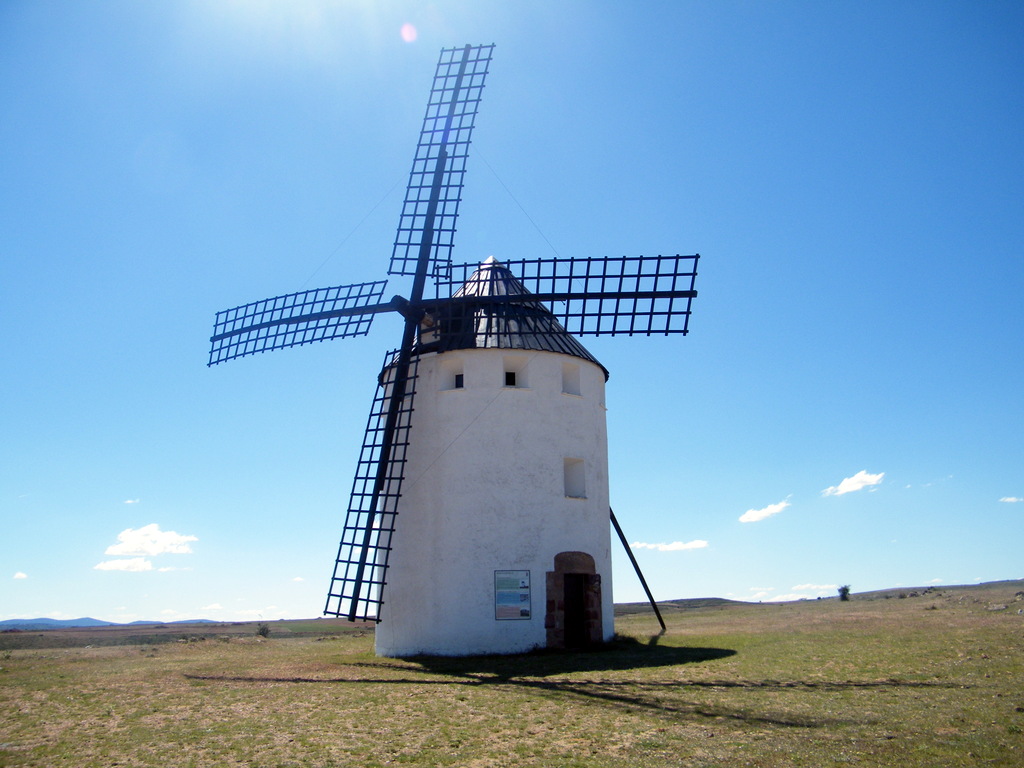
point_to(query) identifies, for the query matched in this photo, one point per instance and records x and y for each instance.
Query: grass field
(934, 679)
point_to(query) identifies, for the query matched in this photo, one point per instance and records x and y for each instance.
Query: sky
(846, 409)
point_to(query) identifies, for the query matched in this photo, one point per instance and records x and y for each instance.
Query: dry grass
(933, 680)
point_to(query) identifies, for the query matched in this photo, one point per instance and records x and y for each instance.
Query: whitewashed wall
(485, 490)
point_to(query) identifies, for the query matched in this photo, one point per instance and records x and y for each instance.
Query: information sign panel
(511, 595)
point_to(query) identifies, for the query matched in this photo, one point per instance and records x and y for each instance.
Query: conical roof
(529, 325)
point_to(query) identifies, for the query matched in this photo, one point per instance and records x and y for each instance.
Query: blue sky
(847, 407)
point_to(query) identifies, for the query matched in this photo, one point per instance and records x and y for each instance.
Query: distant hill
(35, 625)
(621, 609)
(718, 603)
(670, 606)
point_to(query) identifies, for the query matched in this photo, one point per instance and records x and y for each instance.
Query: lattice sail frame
(440, 160)
(623, 295)
(357, 584)
(293, 319)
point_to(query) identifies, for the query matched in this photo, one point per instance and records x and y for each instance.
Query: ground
(923, 677)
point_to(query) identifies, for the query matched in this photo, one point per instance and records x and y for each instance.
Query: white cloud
(850, 484)
(298, 578)
(1012, 499)
(131, 501)
(815, 587)
(803, 592)
(20, 575)
(675, 546)
(132, 564)
(212, 607)
(753, 515)
(170, 614)
(150, 540)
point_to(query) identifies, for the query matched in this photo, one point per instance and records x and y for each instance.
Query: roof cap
(483, 324)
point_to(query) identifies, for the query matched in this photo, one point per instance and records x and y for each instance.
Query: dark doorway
(577, 633)
(573, 618)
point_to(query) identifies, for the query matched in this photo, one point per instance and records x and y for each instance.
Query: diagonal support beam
(636, 567)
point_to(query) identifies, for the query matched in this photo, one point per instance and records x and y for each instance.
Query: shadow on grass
(558, 673)
(617, 655)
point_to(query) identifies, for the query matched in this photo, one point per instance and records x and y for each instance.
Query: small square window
(516, 372)
(450, 374)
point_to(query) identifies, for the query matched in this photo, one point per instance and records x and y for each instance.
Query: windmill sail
(598, 296)
(356, 589)
(423, 245)
(296, 318)
(427, 223)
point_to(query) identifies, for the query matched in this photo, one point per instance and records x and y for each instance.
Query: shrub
(844, 592)
(263, 629)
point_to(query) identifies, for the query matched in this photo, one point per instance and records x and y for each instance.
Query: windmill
(479, 517)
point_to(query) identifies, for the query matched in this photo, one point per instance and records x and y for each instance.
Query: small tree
(263, 629)
(844, 592)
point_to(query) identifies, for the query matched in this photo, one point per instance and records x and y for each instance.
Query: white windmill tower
(504, 540)
(479, 515)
